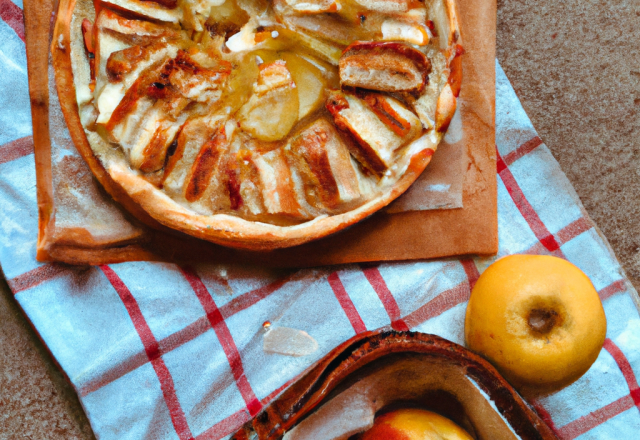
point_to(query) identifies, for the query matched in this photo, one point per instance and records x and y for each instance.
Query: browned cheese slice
(378, 126)
(324, 162)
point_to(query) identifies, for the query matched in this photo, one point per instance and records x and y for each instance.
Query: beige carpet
(575, 65)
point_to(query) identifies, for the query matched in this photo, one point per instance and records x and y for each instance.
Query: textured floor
(36, 402)
(574, 64)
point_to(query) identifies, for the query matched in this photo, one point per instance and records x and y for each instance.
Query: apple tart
(252, 123)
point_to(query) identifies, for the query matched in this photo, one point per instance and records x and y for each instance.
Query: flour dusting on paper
(440, 184)
(454, 133)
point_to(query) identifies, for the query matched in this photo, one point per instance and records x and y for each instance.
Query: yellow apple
(538, 319)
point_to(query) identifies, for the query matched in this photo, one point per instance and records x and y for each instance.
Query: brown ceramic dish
(378, 371)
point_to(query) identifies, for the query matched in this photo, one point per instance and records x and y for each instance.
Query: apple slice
(278, 192)
(162, 10)
(272, 110)
(308, 43)
(400, 30)
(387, 6)
(109, 94)
(310, 82)
(148, 117)
(156, 151)
(182, 154)
(133, 46)
(319, 154)
(384, 66)
(205, 165)
(445, 108)
(328, 27)
(306, 6)
(442, 14)
(378, 125)
(136, 128)
(195, 81)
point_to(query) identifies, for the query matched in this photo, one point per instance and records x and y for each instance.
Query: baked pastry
(257, 124)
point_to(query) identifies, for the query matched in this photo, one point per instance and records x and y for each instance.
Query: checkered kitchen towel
(159, 351)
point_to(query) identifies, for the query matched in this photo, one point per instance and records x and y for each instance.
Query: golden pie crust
(256, 124)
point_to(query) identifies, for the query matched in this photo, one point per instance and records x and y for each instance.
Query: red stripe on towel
(345, 302)
(530, 215)
(11, 14)
(625, 367)
(153, 353)
(226, 340)
(595, 418)
(388, 301)
(16, 149)
(522, 150)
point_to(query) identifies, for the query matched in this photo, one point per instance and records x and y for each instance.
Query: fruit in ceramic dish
(537, 318)
(414, 424)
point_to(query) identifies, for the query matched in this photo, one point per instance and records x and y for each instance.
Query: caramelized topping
(169, 4)
(387, 67)
(323, 159)
(204, 166)
(124, 61)
(387, 114)
(377, 125)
